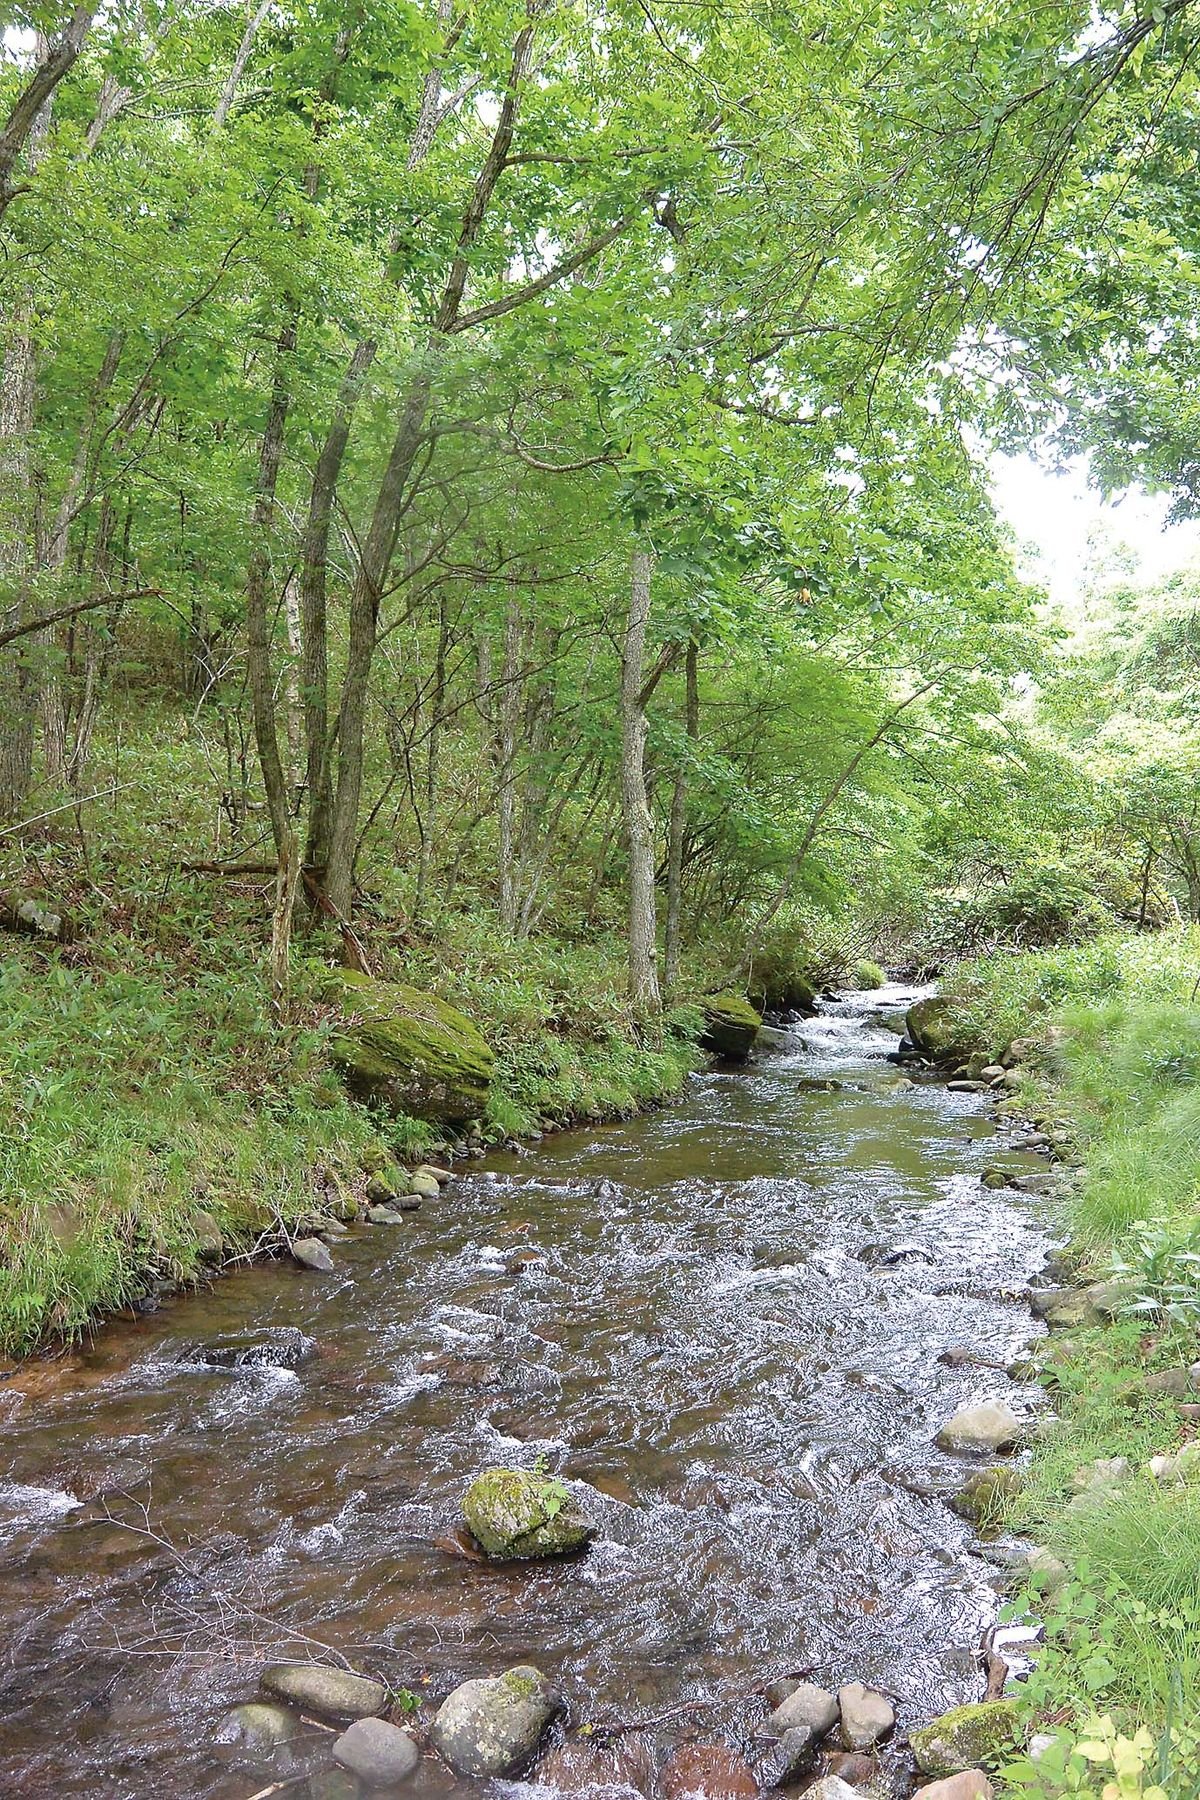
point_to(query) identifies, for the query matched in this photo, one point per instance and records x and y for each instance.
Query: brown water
(706, 1343)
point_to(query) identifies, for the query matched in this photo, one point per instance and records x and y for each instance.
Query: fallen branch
(28, 626)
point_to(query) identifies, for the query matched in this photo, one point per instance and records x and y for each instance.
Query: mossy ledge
(409, 1052)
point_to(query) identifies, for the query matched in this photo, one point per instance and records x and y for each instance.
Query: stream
(730, 1326)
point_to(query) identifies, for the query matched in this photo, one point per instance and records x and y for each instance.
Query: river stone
(866, 1716)
(257, 1728)
(970, 1784)
(789, 1759)
(378, 1753)
(210, 1241)
(384, 1215)
(278, 1347)
(832, 1788)
(382, 1188)
(512, 1513)
(966, 1086)
(311, 1253)
(330, 1693)
(1064, 1309)
(442, 1176)
(967, 1736)
(426, 1187)
(707, 1772)
(806, 1706)
(490, 1727)
(988, 1426)
(332, 1784)
(408, 1051)
(938, 1032)
(984, 1497)
(730, 1026)
(1047, 1572)
(995, 1178)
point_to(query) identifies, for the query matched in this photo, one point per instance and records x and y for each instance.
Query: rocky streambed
(750, 1341)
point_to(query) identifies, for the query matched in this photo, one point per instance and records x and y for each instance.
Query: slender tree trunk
(258, 662)
(639, 825)
(432, 751)
(677, 827)
(508, 715)
(314, 578)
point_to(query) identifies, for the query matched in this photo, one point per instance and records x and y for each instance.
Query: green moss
(409, 1051)
(730, 1026)
(515, 1514)
(967, 1737)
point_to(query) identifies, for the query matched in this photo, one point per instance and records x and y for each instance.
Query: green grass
(1116, 1030)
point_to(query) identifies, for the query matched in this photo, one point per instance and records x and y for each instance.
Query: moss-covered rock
(788, 992)
(512, 1513)
(937, 1030)
(967, 1737)
(409, 1051)
(730, 1026)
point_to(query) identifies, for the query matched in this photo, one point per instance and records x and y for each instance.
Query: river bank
(159, 1125)
(1111, 1060)
(738, 1322)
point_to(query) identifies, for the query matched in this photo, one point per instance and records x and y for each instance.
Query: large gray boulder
(330, 1693)
(490, 1727)
(514, 1513)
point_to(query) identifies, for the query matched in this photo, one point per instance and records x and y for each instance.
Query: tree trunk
(258, 663)
(639, 825)
(677, 827)
(31, 107)
(508, 715)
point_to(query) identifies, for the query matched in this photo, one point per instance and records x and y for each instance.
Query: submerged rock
(832, 1788)
(330, 1693)
(866, 1716)
(709, 1772)
(513, 1513)
(806, 1706)
(409, 1051)
(490, 1727)
(730, 1026)
(967, 1736)
(989, 1426)
(280, 1347)
(378, 1753)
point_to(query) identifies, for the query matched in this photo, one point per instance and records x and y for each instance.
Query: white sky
(1067, 532)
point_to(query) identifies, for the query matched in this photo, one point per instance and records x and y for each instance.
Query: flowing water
(733, 1333)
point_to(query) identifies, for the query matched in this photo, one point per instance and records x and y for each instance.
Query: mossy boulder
(409, 1051)
(967, 1737)
(777, 992)
(939, 1032)
(513, 1513)
(730, 1026)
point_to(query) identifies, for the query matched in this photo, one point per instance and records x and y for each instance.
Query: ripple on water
(753, 1399)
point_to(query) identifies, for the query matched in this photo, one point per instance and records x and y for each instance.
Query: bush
(868, 974)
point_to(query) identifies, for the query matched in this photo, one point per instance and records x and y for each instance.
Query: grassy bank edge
(157, 1125)
(1113, 1062)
